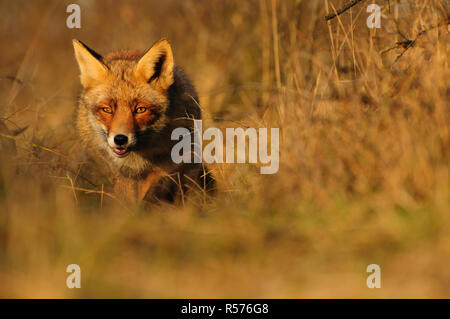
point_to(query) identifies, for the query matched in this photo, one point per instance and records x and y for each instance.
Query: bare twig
(344, 8)
(34, 145)
(102, 193)
(12, 78)
(410, 43)
(213, 118)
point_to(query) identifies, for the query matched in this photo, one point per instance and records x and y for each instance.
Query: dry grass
(364, 152)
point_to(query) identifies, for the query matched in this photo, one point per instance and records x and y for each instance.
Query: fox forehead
(121, 85)
(124, 55)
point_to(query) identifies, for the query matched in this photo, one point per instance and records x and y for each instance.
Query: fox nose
(120, 139)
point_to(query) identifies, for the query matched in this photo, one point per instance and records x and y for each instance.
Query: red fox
(130, 103)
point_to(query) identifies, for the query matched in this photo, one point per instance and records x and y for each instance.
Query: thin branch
(12, 79)
(410, 43)
(213, 118)
(102, 193)
(34, 145)
(344, 8)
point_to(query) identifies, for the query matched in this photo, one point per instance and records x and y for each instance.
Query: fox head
(125, 94)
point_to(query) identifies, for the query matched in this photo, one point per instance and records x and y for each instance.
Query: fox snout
(120, 140)
(120, 143)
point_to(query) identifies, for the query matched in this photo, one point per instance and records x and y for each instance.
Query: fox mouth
(121, 151)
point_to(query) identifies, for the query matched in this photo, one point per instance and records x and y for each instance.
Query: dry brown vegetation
(364, 153)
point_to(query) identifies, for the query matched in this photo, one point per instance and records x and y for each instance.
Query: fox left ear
(92, 69)
(157, 65)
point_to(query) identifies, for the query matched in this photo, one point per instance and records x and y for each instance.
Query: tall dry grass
(364, 153)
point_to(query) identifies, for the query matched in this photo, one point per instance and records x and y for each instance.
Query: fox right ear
(157, 65)
(92, 69)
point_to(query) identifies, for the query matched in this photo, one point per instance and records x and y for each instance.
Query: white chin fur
(130, 160)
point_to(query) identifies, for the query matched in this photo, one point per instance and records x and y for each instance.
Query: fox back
(130, 104)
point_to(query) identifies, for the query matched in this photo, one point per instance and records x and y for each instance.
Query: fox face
(125, 98)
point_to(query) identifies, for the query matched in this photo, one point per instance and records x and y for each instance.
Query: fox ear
(92, 69)
(157, 65)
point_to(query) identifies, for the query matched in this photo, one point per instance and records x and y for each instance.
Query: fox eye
(106, 109)
(140, 109)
